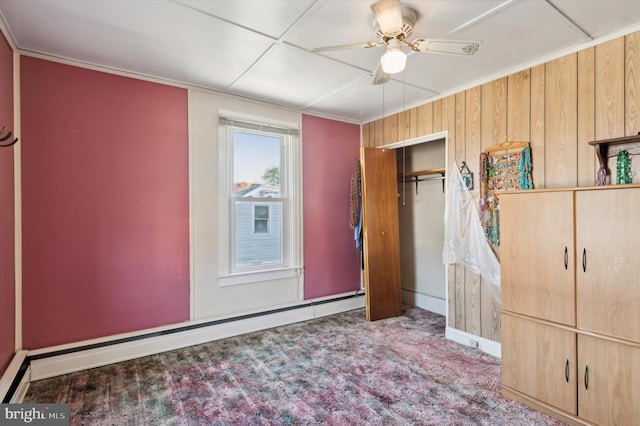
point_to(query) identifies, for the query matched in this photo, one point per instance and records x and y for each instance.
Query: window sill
(257, 276)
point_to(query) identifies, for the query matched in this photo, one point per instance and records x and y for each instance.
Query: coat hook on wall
(4, 137)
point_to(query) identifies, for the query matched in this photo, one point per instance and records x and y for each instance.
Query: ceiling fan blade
(452, 47)
(388, 14)
(347, 46)
(380, 77)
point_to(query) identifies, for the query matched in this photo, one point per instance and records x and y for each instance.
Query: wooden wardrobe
(570, 266)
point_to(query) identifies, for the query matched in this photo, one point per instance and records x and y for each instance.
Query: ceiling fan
(393, 24)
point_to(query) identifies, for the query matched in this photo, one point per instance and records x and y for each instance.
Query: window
(261, 219)
(262, 204)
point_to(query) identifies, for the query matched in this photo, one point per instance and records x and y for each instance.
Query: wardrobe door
(608, 385)
(539, 360)
(608, 258)
(381, 234)
(537, 255)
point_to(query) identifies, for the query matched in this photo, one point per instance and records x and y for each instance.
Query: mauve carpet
(337, 370)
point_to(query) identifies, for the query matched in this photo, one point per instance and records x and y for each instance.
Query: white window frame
(291, 190)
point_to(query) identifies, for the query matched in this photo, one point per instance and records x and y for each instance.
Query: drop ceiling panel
(271, 17)
(514, 36)
(437, 18)
(361, 101)
(177, 44)
(289, 75)
(599, 18)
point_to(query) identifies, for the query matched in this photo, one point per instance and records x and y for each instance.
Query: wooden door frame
(416, 141)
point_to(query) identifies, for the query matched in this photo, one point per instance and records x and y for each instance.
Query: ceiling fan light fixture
(394, 60)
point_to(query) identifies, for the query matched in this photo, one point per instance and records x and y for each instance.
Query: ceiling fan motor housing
(409, 17)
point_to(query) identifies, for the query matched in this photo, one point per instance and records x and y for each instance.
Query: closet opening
(421, 168)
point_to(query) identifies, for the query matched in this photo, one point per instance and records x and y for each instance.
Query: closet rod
(416, 179)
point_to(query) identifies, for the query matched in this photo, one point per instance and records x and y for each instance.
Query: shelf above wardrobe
(606, 148)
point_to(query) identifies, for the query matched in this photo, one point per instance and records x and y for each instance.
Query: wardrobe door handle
(566, 371)
(566, 260)
(586, 377)
(584, 260)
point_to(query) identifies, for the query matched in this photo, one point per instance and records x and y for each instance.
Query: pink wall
(332, 263)
(7, 223)
(104, 204)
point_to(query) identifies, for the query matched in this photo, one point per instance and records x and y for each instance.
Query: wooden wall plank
(473, 138)
(609, 89)
(493, 130)
(365, 135)
(378, 135)
(519, 106)
(632, 95)
(609, 93)
(455, 283)
(586, 121)
(632, 84)
(494, 112)
(437, 116)
(404, 125)
(413, 123)
(537, 125)
(425, 119)
(390, 129)
(561, 122)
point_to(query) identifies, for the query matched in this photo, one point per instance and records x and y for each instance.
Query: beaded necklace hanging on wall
(500, 172)
(623, 167)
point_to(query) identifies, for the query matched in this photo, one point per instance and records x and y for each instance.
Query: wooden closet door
(537, 255)
(608, 241)
(381, 233)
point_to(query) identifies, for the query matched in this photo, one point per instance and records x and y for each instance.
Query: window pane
(258, 241)
(261, 212)
(256, 165)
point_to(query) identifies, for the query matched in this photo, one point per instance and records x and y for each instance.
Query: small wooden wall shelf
(610, 147)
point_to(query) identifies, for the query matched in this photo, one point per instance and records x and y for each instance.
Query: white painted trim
(8, 35)
(424, 301)
(192, 267)
(17, 201)
(258, 276)
(420, 139)
(63, 364)
(464, 338)
(11, 372)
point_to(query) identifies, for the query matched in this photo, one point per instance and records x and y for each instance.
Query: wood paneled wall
(558, 107)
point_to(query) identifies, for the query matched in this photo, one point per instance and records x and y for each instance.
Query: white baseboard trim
(49, 366)
(11, 373)
(426, 302)
(468, 339)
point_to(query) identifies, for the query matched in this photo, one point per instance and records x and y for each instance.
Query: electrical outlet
(474, 343)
